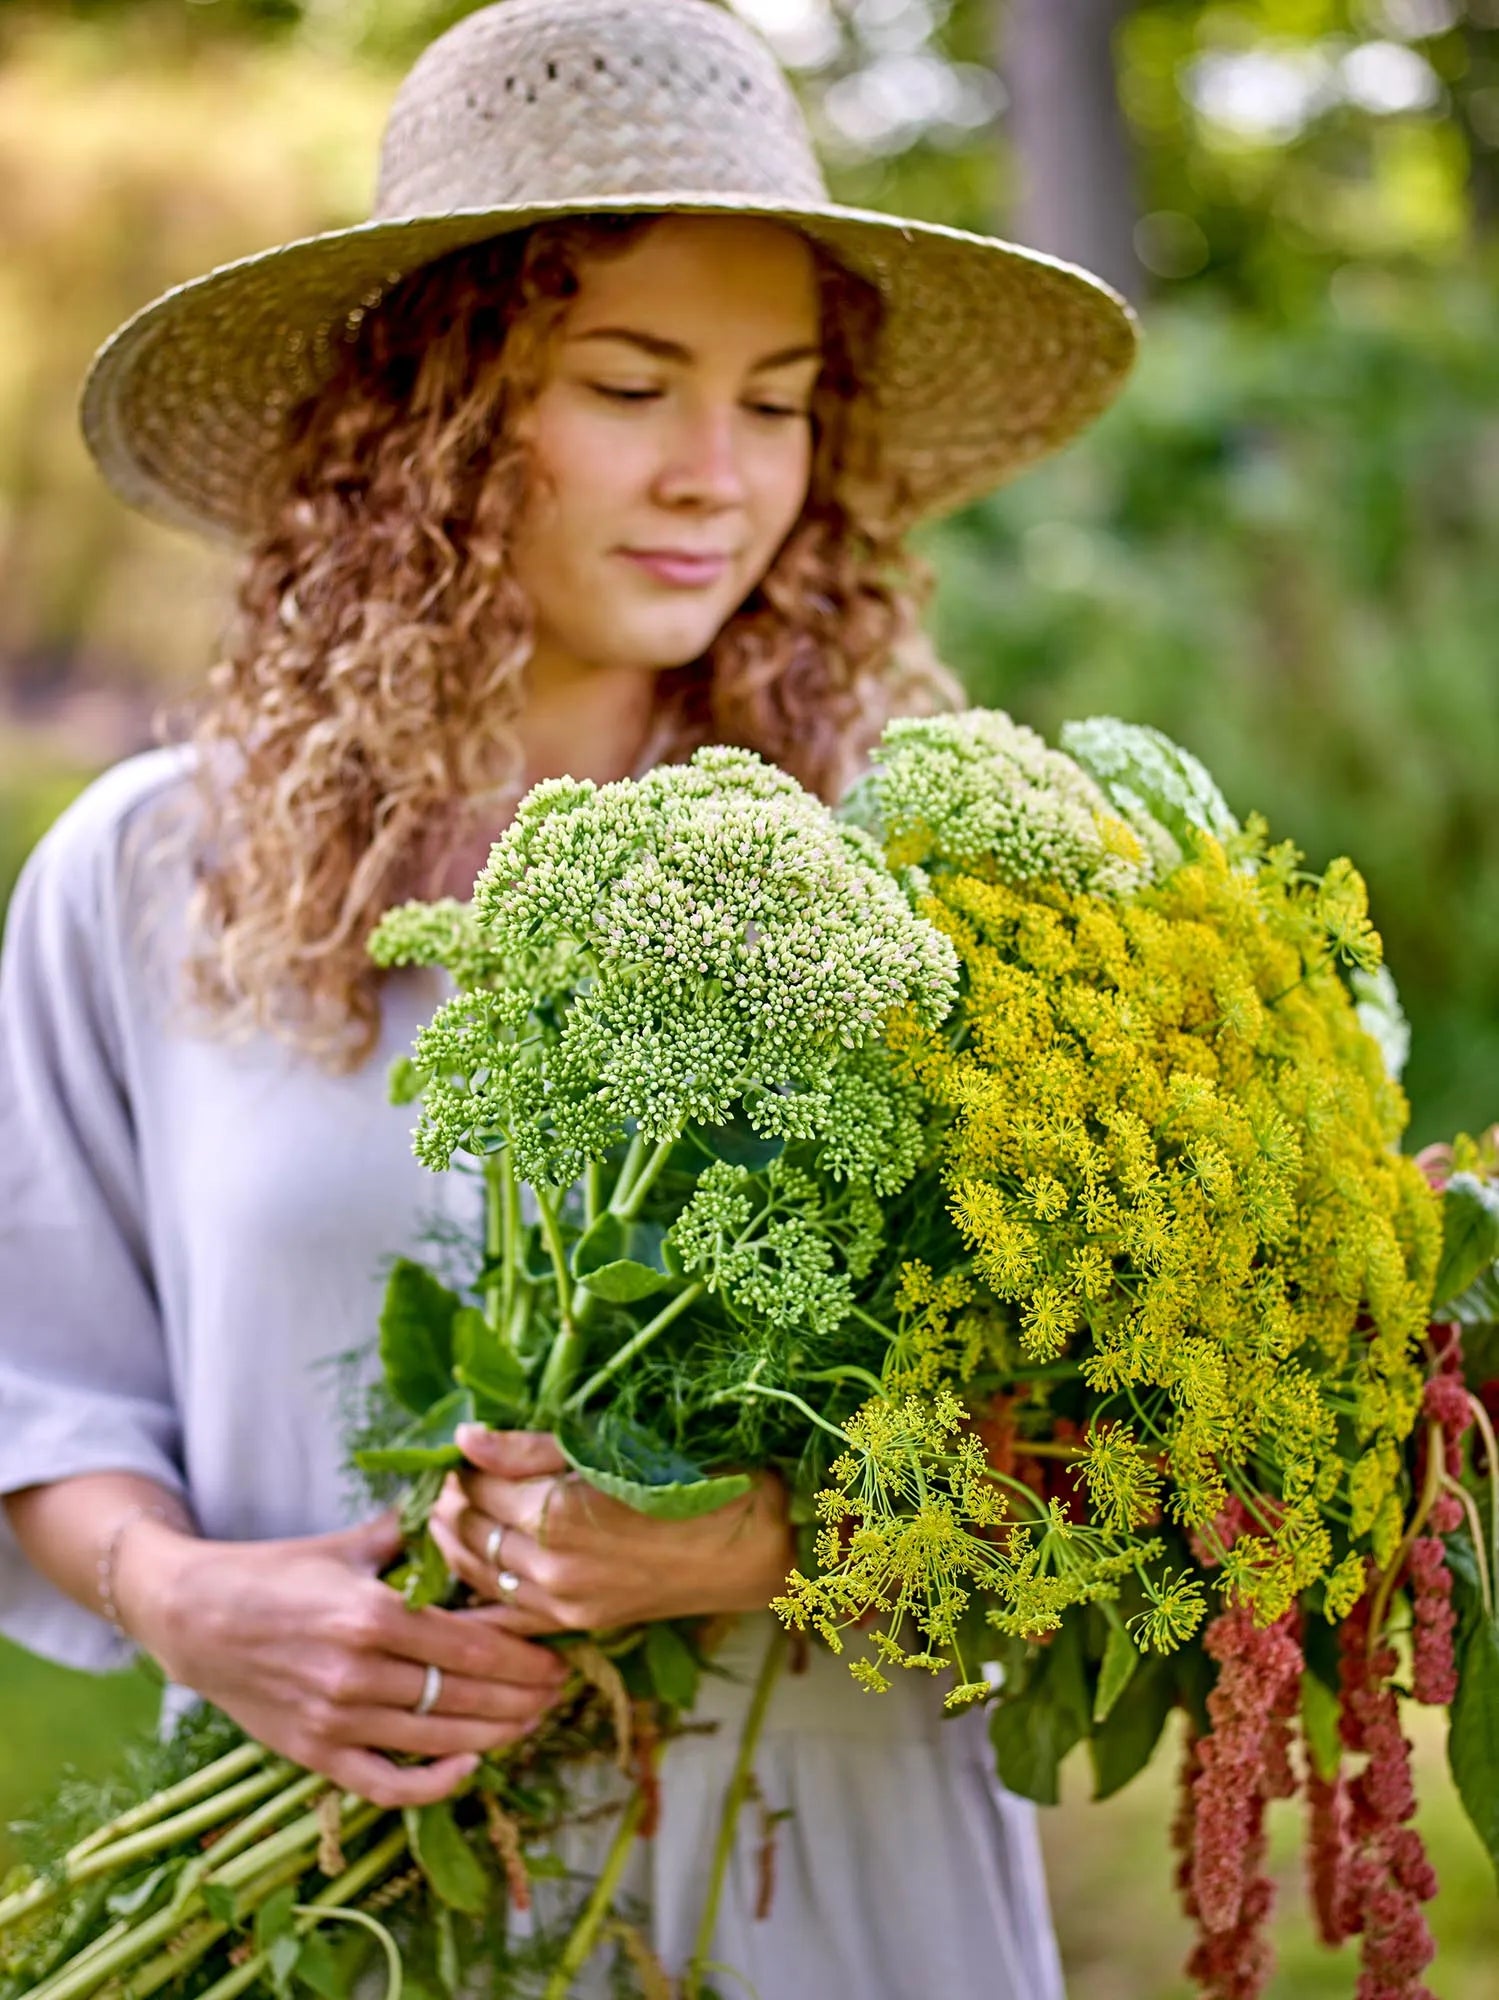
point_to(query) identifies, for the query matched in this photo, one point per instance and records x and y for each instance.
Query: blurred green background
(1281, 547)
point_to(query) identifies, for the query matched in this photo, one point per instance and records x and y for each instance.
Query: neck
(578, 722)
(581, 721)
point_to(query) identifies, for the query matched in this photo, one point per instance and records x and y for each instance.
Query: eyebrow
(673, 350)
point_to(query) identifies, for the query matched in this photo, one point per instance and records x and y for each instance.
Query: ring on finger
(426, 1701)
(492, 1544)
(507, 1586)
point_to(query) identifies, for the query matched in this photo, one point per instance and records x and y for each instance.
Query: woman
(597, 443)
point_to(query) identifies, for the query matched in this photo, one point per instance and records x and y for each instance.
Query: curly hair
(360, 721)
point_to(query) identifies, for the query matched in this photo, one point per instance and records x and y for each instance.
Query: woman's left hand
(589, 1563)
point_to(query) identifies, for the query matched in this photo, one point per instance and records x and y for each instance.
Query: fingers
(370, 1545)
(399, 1684)
(417, 1735)
(510, 1454)
(378, 1621)
(390, 1785)
(519, 1553)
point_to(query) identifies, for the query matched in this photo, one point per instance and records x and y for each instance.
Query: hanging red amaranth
(1387, 1870)
(1237, 1767)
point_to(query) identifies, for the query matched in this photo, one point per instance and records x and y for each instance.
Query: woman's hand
(589, 1563)
(311, 1654)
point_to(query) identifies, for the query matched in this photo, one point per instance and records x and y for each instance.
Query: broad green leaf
(1120, 1658)
(1477, 1307)
(621, 1261)
(455, 1872)
(425, 1578)
(448, 1970)
(652, 1480)
(1033, 1731)
(426, 1445)
(1320, 1710)
(416, 1335)
(489, 1369)
(274, 1917)
(1121, 1747)
(644, 1473)
(1470, 1236)
(736, 1142)
(284, 1952)
(677, 1502)
(1473, 1735)
(317, 1966)
(674, 1670)
(220, 1903)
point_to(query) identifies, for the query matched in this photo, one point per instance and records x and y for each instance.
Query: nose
(703, 463)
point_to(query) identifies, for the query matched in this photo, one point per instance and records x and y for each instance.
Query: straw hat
(991, 355)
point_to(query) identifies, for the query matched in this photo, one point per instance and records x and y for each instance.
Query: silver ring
(507, 1585)
(492, 1543)
(431, 1689)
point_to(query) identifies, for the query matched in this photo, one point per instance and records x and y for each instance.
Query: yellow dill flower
(1344, 1587)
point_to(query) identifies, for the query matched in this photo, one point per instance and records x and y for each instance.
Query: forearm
(68, 1527)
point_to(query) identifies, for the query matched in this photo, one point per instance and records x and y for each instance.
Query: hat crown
(533, 101)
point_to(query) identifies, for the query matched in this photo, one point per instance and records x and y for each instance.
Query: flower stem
(734, 1802)
(579, 1946)
(1436, 1466)
(223, 1771)
(624, 1355)
(149, 1839)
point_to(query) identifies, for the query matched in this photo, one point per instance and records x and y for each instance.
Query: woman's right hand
(313, 1656)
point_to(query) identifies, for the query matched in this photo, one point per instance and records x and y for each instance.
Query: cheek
(781, 488)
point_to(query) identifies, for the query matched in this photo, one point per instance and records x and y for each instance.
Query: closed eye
(616, 395)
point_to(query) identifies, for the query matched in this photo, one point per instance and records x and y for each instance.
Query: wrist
(149, 1556)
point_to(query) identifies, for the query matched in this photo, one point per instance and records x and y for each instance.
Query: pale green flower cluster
(664, 949)
(766, 1244)
(1162, 790)
(978, 789)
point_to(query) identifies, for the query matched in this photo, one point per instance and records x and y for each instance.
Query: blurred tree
(1074, 162)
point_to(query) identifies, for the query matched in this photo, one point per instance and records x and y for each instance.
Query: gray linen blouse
(192, 1230)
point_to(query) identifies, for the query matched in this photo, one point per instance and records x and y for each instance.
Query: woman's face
(673, 439)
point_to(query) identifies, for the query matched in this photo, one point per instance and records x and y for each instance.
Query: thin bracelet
(109, 1554)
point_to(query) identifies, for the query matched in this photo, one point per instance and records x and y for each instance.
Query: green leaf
(427, 1445)
(651, 1479)
(1121, 1747)
(1120, 1658)
(1470, 1236)
(621, 1261)
(274, 1917)
(220, 1903)
(448, 1970)
(1477, 1307)
(1473, 1735)
(673, 1668)
(416, 1336)
(317, 1966)
(1320, 1710)
(455, 1872)
(489, 1369)
(737, 1142)
(135, 1898)
(1032, 1731)
(284, 1953)
(426, 1578)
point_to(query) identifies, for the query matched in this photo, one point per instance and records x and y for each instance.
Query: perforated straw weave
(991, 355)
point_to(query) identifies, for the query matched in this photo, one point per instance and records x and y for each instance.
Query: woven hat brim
(993, 355)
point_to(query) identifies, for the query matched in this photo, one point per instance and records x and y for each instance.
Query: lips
(678, 566)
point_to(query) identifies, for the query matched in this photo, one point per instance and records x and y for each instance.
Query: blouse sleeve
(84, 1382)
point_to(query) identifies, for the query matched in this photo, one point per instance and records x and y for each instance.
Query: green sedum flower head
(979, 790)
(669, 948)
(1165, 793)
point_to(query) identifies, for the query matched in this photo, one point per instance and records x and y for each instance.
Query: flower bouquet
(1008, 1160)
